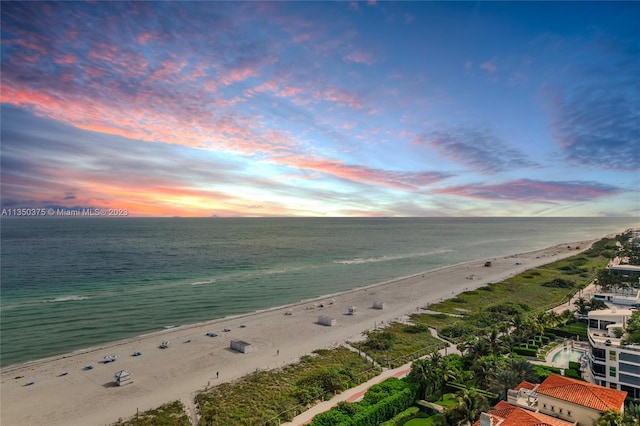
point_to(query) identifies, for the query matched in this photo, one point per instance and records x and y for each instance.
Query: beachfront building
(611, 363)
(625, 297)
(630, 273)
(580, 403)
(505, 414)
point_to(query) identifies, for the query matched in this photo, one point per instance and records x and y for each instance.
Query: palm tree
(523, 369)
(582, 305)
(469, 406)
(496, 342)
(611, 418)
(422, 374)
(502, 380)
(484, 367)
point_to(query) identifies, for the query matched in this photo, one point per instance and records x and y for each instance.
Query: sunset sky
(322, 108)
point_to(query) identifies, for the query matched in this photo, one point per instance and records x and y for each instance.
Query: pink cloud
(290, 91)
(359, 57)
(489, 66)
(361, 174)
(299, 38)
(65, 59)
(531, 191)
(169, 67)
(342, 97)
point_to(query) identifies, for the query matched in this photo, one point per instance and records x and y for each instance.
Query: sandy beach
(278, 336)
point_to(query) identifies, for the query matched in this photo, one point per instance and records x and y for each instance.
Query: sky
(322, 108)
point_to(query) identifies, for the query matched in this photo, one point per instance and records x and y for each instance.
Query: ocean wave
(203, 282)
(71, 298)
(388, 258)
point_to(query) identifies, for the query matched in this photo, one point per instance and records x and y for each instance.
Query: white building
(623, 297)
(612, 364)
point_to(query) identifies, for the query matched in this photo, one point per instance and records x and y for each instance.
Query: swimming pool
(565, 355)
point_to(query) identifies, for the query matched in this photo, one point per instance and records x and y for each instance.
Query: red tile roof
(510, 415)
(582, 393)
(525, 385)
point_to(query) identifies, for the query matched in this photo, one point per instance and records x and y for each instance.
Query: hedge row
(525, 351)
(380, 403)
(573, 374)
(566, 333)
(400, 418)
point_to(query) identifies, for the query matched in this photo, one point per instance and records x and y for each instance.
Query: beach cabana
(122, 377)
(241, 346)
(378, 305)
(351, 310)
(165, 344)
(326, 320)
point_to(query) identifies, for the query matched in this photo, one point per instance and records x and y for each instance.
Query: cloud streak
(530, 191)
(478, 149)
(595, 116)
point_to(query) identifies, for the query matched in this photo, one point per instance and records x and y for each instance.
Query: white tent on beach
(326, 320)
(122, 377)
(241, 346)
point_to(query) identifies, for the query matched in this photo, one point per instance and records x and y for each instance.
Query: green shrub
(525, 351)
(543, 371)
(573, 374)
(559, 283)
(381, 403)
(400, 418)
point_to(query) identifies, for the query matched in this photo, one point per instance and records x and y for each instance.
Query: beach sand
(190, 363)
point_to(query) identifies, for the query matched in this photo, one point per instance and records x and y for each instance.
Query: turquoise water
(71, 283)
(566, 355)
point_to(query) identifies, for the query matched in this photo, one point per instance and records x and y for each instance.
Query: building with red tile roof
(572, 400)
(582, 393)
(505, 414)
(525, 385)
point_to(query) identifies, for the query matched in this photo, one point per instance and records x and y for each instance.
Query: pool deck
(567, 345)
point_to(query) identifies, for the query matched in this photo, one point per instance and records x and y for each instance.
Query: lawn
(420, 421)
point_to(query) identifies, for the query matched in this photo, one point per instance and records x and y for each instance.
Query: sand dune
(190, 363)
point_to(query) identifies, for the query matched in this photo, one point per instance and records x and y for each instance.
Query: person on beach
(217, 374)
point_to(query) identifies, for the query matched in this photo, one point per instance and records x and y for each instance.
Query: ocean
(74, 283)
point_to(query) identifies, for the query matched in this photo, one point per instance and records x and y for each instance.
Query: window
(612, 371)
(598, 369)
(561, 411)
(544, 405)
(613, 356)
(569, 413)
(553, 408)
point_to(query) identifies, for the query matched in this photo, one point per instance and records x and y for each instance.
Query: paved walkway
(355, 394)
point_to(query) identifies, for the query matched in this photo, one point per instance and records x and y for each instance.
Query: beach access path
(278, 336)
(356, 393)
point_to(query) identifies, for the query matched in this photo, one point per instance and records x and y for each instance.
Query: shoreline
(160, 333)
(178, 372)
